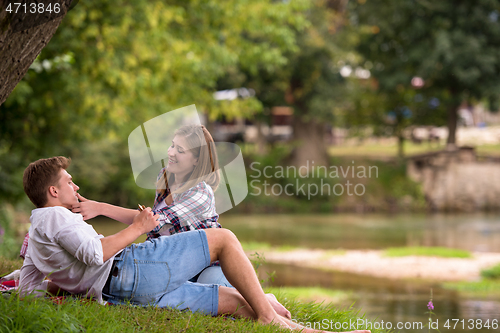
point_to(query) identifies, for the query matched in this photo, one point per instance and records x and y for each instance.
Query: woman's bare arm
(90, 209)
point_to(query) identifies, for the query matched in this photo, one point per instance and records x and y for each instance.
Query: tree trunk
(310, 139)
(261, 140)
(209, 124)
(452, 126)
(401, 141)
(22, 38)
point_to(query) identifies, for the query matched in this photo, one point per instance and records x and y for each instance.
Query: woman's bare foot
(278, 307)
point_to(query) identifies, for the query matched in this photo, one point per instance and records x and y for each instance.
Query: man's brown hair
(42, 174)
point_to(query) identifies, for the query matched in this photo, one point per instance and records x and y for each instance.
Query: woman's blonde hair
(201, 144)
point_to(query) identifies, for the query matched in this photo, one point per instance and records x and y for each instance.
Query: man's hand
(88, 208)
(142, 223)
(146, 220)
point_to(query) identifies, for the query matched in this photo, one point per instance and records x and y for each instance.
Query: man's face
(66, 190)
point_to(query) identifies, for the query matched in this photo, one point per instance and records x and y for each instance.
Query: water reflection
(349, 231)
(480, 232)
(391, 300)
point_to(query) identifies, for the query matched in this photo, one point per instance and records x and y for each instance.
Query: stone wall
(457, 180)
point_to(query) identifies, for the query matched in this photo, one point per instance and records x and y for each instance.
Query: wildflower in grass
(431, 325)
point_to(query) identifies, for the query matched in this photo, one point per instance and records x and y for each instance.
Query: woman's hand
(88, 208)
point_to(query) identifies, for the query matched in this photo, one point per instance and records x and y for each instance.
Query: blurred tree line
(426, 58)
(114, 64)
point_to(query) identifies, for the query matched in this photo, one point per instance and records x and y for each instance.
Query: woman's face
(180, 160)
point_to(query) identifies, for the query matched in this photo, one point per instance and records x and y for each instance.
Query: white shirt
(65, 249)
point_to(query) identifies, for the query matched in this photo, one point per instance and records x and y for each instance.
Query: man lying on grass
(77, 260)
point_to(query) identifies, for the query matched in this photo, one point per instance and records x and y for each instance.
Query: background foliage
(114, 64)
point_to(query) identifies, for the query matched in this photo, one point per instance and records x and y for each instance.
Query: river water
(379, 299)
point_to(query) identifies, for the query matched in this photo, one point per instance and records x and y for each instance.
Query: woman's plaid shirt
(191, 210)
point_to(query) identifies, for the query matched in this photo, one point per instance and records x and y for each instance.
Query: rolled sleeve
(81, 245)
(90, 253)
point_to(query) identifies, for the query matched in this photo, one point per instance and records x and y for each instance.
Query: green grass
(483, 288)
(389, 150)
(331, 253)
(39, 315)
(489, 149)
(255, 246)
(426, 251)
(285, 248)
(14, 225)
(491, 273)
(381, 150)
(74, 315)
(261, 246)
(311, 294)
(9, 265)
(42, 315)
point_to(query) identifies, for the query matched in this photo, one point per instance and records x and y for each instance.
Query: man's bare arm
(141, 224)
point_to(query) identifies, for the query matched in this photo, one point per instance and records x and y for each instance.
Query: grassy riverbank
(390, 150)
(488, 286)
(484, 288)
(434, 251)
(40, 315)
(74, 315)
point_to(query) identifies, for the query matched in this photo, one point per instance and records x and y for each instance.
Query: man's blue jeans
(157, 271)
